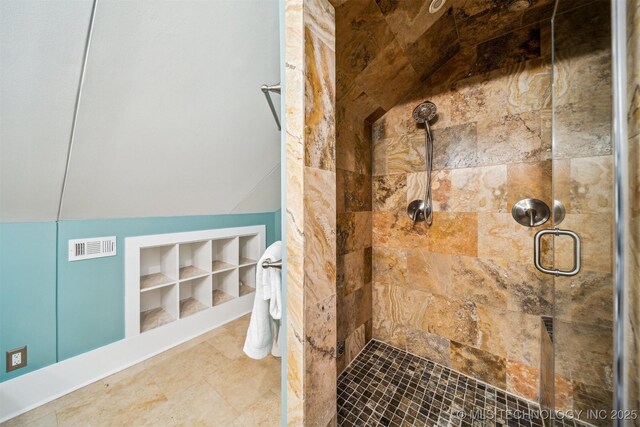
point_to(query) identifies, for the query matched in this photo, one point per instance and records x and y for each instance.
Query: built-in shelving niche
(170, 277)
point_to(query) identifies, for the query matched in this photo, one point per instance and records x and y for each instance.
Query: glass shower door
(583, 189)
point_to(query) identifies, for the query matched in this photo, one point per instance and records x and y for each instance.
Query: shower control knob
(530, 212)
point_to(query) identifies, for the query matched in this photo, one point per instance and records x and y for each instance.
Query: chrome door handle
(577, 250)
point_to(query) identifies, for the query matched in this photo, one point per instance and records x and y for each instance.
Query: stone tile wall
(583, 181)
(311, 212)
(464, 292)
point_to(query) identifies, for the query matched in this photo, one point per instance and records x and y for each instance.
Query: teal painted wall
(28, 293)
(91, 292)
(277, 218)
(88, 295)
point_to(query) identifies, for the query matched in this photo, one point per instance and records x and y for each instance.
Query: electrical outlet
(16, 358)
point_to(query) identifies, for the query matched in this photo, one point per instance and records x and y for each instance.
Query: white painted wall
(41, 47)
(172, 120)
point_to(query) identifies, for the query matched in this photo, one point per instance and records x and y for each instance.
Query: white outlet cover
(16, 359)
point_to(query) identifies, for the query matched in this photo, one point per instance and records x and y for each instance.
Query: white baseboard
(21, 394)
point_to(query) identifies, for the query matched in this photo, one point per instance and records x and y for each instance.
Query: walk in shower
(449, 318)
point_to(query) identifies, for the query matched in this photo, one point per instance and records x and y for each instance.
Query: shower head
(424, 112)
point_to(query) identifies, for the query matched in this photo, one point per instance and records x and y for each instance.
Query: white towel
(266, 306)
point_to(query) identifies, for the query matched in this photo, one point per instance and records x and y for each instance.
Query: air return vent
(96, 247)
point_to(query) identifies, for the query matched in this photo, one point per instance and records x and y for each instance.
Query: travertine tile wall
(311, 212)
(583, 181)
(464, 292)
(633, 253)
(384, 49)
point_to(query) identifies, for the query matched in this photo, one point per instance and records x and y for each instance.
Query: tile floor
(385, 386)
(207, 381)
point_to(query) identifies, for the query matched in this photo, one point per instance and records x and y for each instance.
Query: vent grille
(96, 247)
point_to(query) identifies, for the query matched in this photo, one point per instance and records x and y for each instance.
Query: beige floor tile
(264, 412)
(186, 368)
(229, 343)
(244, 380)
(207, 381)
(120, 405)
(31, 420)
(198, 405)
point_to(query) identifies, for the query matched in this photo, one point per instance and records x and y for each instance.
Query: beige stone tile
(454, 233)
(320, 234)
(454, 147)
(320, 135)
(392, 68)
(447, 317)
(351, 271)
(390, 193)
(33, 419)
(428, 271)
(519, 88)
(584, 353)
(596, 234)
(354, 343)
(502, 284)
(198, 405)
(582, 130)
(186, 368)
(425, 344)
(523, 380)
(512, 139)
(480, 280)
(499, 236)
(465, 189)
(479, 364)
(440, 189)
(529, 180)
(510, 334)
(482, 189)
(591, 189)
(119, 405)
(229, 344)
(243, 381)
(320, 362)
(405, 153)
(389, 266)
(353, 231)
(396, 230)
(265, 412)
(388, 317)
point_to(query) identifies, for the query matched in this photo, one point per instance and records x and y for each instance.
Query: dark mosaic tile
(385, 386)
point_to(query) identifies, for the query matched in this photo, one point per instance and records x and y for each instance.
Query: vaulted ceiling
(387, 48)
(171, 120)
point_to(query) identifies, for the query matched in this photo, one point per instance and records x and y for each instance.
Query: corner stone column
(311, 212)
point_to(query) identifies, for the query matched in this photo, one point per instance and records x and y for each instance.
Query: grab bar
(276, 89)
(267, 263)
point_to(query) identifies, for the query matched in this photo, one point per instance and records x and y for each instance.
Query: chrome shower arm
(266, 89)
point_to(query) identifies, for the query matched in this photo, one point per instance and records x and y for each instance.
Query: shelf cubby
(225, 286)
(158, 307)
(158, 267)
(247, 279)
(195, 295)
(171, 277)
(195, 259)
(225, 254)
(250, 250)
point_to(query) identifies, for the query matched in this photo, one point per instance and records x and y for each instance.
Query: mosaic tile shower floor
(385, 386)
